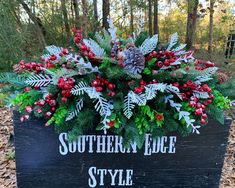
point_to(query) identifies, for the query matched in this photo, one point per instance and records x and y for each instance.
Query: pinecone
(222, 77)
(134, 60)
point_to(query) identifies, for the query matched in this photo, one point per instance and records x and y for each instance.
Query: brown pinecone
(134, 60)
(222, 77)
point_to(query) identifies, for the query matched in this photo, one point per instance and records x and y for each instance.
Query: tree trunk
(85, 18)
(65, 16)
(95, 15)
(156, 27)
(37, 21)
(106, 10)
(211, 27)
(76, 11)
(132, 16)
(191, 22)
(150, 18)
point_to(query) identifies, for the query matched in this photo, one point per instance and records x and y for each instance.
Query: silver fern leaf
(74, 113)
(201, 94)
(149, 45)
(53, 50)
(173, 41)
(39, 80)
(128, 107)
(94, 46)
(139, 99)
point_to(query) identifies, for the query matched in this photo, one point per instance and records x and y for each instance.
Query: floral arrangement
(128, 87)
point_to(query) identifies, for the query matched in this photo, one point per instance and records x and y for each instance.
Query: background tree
(191, 22)
(95, 14)
(76, 12)
(85, 18)
(65, 17)
(156, 27)
(106, 9)
(150, 18)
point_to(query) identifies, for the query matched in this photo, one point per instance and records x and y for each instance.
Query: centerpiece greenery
(129, 87)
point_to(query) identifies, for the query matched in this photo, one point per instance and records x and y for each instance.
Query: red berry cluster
(153, 54)
(66, 84)
(201, 65)
(142, 83)
(199, 108)
(64, 52)
(77, 35)
(187, 89)
(86, 51)
(169, 57)
(101, 84)
(32, 66)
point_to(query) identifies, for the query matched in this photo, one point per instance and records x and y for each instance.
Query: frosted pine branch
(39, 80)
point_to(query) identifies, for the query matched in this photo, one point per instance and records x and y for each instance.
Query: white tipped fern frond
(39, 80)
(94, 46)
(74, 113)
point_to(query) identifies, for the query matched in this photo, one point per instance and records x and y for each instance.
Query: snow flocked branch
(102, 105)
(182, 114)
(141, 99)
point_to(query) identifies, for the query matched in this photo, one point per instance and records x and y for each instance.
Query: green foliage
(140, 39)
(12, 78)
(59, 116)
(143, 118)
(215, 113)
(228, 88)
(131, 134)
(220, 101)
(82, 123)
(26, 99)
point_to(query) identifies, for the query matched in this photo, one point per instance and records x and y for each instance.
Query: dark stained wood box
(196, 162)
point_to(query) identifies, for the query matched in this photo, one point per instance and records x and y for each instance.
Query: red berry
(28, 109)
(26, 116)
(198, 105)
(21, 62)
(204, 116)
(154, 54)
(64, 51)
(111, 123)
(137, 90)
(166, 63)
(209, 101)
(27, 89)
(64, 99)
(22, 119)
(53, 109)
(203, 121)
(176, 84)
(111, 86)
(99, 89)
(111, 94)
(52, 102)
(39, 110)
(198, 111)
(159, 64)
(191, 104)
(90, 55)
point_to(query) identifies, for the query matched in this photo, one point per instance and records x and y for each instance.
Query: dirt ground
(7, 162)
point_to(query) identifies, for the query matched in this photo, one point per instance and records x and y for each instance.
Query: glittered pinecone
(134, 60)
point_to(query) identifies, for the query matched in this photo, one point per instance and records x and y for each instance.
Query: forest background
(27, 26)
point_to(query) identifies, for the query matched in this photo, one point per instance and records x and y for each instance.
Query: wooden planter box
(45, 160)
